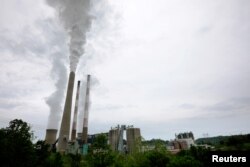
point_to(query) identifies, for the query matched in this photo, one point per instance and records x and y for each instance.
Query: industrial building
(65, 143)
(79, 144)
(113, 138)
(185, 135)
(133, 139)
(182, 141)
(128, 145)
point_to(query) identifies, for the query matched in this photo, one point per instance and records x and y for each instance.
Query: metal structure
(86, 113)
(65, 124)
(120, 139)
(53, 146)
(73, 132)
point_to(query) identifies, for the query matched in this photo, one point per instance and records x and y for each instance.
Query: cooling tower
(73, 132)
(50, 137)
(133, 139)
(65, 124)
(86, 113)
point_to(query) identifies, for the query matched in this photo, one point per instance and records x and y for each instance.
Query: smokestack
(73, 132)
(86, 113)
(50, 137)
(65, 124)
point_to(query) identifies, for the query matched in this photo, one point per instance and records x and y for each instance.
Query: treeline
(17, 150)
(211, 140)
(154, 142)
(234, 142)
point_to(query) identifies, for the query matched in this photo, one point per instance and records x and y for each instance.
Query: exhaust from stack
(76, 19)
(86, 113)
(65, 124)
(73, 132)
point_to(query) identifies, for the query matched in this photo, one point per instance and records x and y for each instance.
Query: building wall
(182, 144)
(133, 138)
(113, 138)
(50, 137)
(185, 135)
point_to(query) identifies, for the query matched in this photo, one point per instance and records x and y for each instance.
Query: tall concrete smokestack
(73, 132)
(65, 124)
(86, 113)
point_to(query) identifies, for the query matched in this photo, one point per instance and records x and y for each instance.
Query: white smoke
(76, 20)
(59, 74)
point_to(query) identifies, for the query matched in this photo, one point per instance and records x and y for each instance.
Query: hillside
(234, 142)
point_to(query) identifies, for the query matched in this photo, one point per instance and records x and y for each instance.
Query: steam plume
(75, 17)
(58, 72)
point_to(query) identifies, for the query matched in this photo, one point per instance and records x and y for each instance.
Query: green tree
(42, 153)
(199, 154)
(75, 160)
(159, 156)
(54, 160)
(119, 160)
(187, 161)
(16, 148)
(100, 153)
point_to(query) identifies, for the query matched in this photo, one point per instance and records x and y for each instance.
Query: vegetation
(100, 153)
(211, 140)
(17, 150)
(154, 142)
(228, 143)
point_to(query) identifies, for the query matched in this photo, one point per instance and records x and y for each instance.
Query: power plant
(117, 142)
(64, 132)
(79, 143)
(76, 19)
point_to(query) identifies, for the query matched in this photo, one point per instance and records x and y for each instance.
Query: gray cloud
(187, 106)
(7, 104)
(234, 105)
(112, 107)
(182, 66)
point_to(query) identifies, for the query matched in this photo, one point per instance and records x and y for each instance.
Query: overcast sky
(165, 66)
